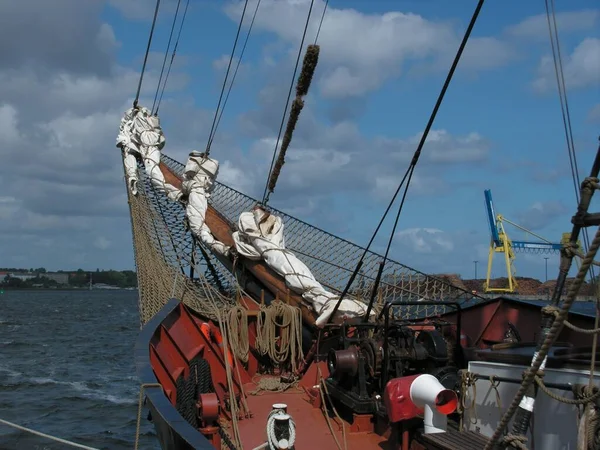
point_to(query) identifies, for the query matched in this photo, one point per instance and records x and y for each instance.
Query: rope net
(166, 254)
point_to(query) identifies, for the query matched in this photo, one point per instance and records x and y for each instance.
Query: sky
(69, 69)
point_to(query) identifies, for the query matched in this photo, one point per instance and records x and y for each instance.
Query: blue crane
(501, 243)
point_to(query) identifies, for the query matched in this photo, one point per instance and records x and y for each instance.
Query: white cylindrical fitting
(437, 402)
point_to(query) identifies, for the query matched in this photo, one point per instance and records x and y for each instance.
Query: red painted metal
(396, 398)
(180, 339)
(487, 323)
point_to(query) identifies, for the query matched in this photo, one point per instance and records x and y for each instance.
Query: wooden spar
(221, 230)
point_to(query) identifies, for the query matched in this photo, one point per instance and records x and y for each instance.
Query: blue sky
(381, 67)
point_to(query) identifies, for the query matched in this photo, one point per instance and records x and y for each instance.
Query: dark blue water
(67, 369)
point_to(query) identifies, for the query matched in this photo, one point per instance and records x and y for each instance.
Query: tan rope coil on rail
(286, 347)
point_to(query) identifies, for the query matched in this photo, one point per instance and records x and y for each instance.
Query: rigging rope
(164, 63)
(234, 73)
(321, 22)
(47, 436)
(306, 74)
(414, 161)
(287, 101)
(564, 106)
(139, 88)
(237, 35)
(557, 325)
(172, 56)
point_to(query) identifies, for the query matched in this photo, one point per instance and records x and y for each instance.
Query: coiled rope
(47, 436)
(289, 344)
(272, 439)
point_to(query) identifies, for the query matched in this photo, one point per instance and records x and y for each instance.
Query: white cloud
(426, 240)
(354, 63)
(581, 68)
(9, 134)
(570, 21)
(541, 214)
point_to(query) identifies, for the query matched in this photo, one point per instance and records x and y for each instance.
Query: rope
(516, 441)
(312, 2)
(583, 394)
(237, 35)
(235, 73)
(172, 56)
(139, 413)
(44, 435)
(162, 69)
(237, 324)
(417, 153)
(311, 58)
(289, 345)
(325, 392)
(556, 311)
(557, 325)
(467, 381)
(321, 21)
(139, 88)
(272, 439)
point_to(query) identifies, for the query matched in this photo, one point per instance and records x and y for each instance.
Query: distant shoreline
(67, 289)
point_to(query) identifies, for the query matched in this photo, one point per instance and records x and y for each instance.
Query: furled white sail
(260, 236)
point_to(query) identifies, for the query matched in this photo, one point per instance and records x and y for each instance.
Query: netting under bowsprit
(168, 259)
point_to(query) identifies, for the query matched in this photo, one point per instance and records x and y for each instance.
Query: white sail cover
(140, 133)
(200, 175)
(129, 150)
(260, 236)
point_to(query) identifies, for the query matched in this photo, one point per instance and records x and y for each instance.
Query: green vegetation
(41, 278)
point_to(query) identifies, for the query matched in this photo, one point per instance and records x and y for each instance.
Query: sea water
(67, 369)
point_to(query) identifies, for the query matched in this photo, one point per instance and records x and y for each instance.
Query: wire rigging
(164, 63)
(408, 174)
(172, 56)
(237, 35)
(235, 72)
(321, 22)
(139, 88)
(265, 193)
(564, 106)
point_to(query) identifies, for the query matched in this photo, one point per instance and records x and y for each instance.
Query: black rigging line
(162, 70)
(564, 107)
(172, 56)
(235, 73)
(210, 135)
(411, 168)
(265, 197)
(321, 22)
(139, 88)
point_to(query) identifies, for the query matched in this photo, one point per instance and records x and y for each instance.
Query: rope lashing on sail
(44, 435)
(260, 236)
(140, 135)
(287, 101)
(200, 174)
(311, 58)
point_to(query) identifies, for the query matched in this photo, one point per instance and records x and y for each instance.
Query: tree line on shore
(76, 279)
